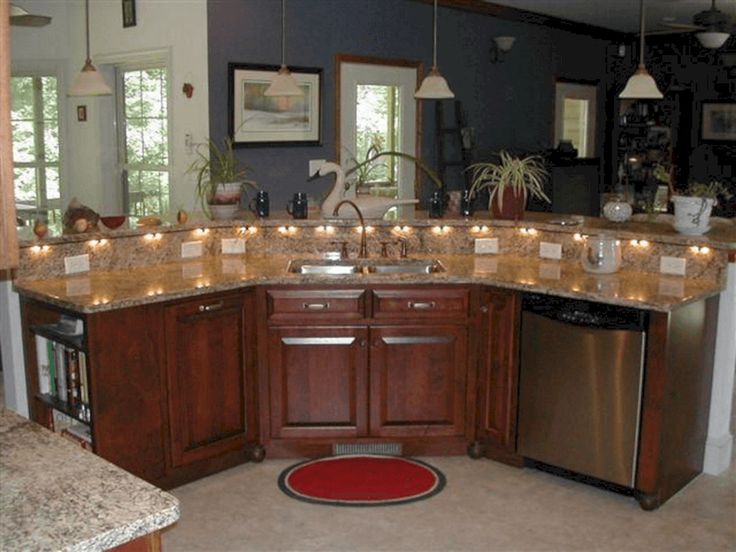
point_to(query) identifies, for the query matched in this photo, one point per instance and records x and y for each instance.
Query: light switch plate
(77, 263)
(233, 246)
(191, 249)
(672, 265)
(484, 246)
(549, 250)
(314, 165)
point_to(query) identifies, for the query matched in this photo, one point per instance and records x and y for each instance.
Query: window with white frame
(35, 120)
(143, 137)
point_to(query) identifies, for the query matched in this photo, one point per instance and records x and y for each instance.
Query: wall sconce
(500, 46)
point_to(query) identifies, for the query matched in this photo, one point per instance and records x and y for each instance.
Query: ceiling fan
(21, 18)
(712, 27)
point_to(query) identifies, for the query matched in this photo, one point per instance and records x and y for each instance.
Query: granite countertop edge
(275, 273)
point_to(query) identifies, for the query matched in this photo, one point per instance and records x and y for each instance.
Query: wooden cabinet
(206, 358)
(418, 381)
(318, 380)
(498, 376)
(397, 370)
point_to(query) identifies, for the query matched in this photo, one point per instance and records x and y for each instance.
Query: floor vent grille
(389, 449)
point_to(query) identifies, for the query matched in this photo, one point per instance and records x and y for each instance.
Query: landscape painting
(257, 119)
(718, 122)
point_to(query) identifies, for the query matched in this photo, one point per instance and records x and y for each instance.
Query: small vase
(617, 211)
(692, 214)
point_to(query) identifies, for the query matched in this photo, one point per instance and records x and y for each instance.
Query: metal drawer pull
(211, 307)
(316, 306)
(421, 306)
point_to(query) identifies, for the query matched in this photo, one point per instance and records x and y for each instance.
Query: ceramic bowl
(113, 222)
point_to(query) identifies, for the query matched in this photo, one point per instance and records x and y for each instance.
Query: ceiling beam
(523, 16)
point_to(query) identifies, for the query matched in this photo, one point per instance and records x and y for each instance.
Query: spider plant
(524, 175)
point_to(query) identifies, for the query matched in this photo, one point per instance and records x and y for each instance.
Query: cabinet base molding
(288, 448)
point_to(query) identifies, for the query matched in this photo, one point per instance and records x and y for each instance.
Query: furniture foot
(648, 502)
(257, 453)
(475, 450)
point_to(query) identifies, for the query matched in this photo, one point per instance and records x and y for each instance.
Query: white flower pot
(223, 212)
(692, 214)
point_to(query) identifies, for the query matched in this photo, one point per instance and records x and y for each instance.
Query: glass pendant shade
(712, 39)
(89, 82)
(283, 84)
(434, 87)
(641, 85)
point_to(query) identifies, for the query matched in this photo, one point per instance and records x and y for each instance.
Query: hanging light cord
(434, 42)
(86, 14)
(283, 32)
(641, 33)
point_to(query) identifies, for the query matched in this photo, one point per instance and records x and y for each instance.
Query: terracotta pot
(513, 206)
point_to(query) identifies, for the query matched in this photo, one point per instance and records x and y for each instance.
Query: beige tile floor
(485, 506)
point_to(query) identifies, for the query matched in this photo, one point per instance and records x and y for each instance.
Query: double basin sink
(365, 266)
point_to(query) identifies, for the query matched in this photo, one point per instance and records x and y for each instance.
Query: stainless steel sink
(358, 266)
(316, 266)
(405, 267)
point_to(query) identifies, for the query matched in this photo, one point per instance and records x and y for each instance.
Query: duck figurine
(371, 207)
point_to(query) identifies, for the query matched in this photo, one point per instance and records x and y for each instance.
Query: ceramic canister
(601, 254)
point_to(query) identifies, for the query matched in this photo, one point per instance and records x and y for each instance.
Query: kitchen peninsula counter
(56, 496)
(98, 291)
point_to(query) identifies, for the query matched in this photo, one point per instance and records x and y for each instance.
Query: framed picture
(81, 113)
(129, 13)
(260, 120)
(718, 121)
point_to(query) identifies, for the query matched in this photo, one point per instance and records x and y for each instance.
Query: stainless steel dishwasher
(580, 386)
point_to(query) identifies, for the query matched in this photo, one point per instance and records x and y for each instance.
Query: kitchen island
(56, 496)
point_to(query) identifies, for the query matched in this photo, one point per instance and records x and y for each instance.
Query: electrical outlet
(485, 246)
(314, 165)
(549, 250)
(77, 263)
(191, 249)
(672, 265)
(233, 246)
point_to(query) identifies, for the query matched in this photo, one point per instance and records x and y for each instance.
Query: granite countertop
(56, 496)
(108, 290)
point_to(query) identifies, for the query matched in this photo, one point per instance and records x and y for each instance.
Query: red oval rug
(361, 480)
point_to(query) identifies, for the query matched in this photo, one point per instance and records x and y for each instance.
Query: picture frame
(129, 19)
(718, 121)
(259, 120)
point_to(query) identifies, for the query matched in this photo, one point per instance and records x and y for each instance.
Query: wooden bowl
(113, 222)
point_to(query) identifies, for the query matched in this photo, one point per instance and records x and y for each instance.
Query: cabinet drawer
(315, 305)
(429, 303)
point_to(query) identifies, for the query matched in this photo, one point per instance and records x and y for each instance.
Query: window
(143, 138)
(575, 116)
(377, 112)
(36, 147)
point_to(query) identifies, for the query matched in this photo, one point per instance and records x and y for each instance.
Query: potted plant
(510, 182)
(220, 180)
(692, 209)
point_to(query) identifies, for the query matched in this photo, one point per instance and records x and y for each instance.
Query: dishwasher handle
(586, 313)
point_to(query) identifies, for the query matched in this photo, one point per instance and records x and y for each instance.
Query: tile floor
(485, 506)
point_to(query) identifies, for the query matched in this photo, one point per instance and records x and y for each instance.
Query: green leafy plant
(219, 167)
(364, 168)
(524, 175)
(712, 190)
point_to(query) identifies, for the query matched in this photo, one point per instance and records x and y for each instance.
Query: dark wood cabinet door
(498, 378)
(418, 381)
(206, 361)
(318, 381)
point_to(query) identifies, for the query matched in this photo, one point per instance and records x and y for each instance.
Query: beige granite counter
(113, 289)
(56, 496)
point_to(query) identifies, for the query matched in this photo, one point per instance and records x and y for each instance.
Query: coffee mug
(297, 207)
(259, 205)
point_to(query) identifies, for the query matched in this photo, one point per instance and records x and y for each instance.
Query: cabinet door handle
(211, 307)
(316, 306)
(484, 309)
(422, 306)
(363, 342)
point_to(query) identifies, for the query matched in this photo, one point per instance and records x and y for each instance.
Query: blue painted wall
(510, 104)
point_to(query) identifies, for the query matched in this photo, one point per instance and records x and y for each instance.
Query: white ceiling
(622, 15)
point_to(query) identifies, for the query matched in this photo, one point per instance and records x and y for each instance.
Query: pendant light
(641, 85)
(89, 82)
(434, 86)
(283, 83)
